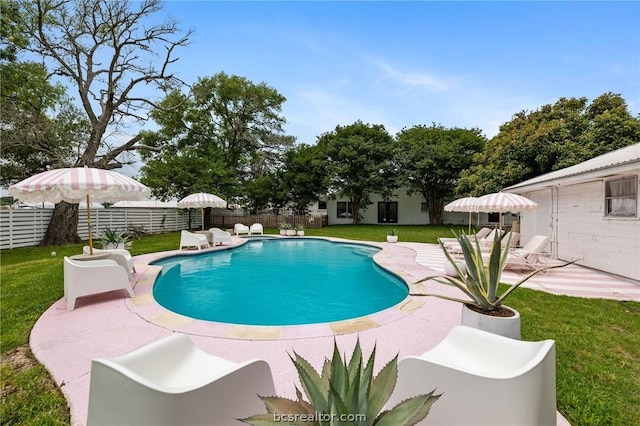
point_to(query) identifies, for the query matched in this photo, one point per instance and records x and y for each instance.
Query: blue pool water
(278, 282)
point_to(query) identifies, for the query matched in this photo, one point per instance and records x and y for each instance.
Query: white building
(590, 211)
(402, 209)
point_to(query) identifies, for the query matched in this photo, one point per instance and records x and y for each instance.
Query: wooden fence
(26, 227)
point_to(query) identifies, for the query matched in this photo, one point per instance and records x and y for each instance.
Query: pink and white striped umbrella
(74, 185)
(462, 205)
(503, 202)
(77, 184)
(202, 200)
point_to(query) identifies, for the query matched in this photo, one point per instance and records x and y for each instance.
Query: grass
(598, 355)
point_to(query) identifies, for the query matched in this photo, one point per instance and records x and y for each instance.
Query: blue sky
(400, 64)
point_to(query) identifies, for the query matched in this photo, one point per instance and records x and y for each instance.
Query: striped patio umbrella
(503, 202)
(462, 205)
(78, 184)
(202, 200)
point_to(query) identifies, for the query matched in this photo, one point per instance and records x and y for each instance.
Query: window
(345, 209)
(322, 205)
(621, 197)
(424, 208)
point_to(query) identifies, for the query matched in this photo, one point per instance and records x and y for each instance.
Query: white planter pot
(283, 232)
(291, 232)
(392, 238)
(451, 271)
(504, 326)
(109, 246)
(300, 233)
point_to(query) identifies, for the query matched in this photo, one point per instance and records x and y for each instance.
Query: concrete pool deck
(112, 324)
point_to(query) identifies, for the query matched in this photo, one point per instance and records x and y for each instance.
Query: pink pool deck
(113, 324)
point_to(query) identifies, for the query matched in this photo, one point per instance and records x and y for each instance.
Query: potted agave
(112, 239)
(346, 390)
(300, 230)
(392, 236)
(479, 279)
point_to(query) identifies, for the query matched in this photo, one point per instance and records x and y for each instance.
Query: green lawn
(598, 354)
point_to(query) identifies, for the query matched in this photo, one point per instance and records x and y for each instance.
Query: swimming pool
(278, 282)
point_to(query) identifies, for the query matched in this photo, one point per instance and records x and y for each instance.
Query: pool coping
(144, 305)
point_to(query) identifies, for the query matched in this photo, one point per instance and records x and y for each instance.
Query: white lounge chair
(122, 256)
(256, 229)
(475, 370)
(482, 233)
(88, 277)
(189, 239)
(172, 382)
(487, 241)
(220, 236)
(240, 228)
(528, 257)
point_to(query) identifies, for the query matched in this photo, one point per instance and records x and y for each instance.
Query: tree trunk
(63, 227)
(435, 204)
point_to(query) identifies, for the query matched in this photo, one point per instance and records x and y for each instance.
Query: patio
(110, 324)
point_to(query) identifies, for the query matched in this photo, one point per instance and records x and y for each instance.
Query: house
(402, 209)
(590, 211)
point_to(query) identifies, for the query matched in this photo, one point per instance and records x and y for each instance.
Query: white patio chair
(485, 379)
(189, 239)
(240, 228)
(88, 277)
(528, 256)
(482, 233)
(256, 229)
(122, 256)
(172, 382)
(220, 236)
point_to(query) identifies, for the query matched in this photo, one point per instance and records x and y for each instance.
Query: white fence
(26, 227)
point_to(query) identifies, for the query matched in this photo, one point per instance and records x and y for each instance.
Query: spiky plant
(481, 279)
(345, 394)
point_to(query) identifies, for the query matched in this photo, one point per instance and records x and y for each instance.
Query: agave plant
(480, 281)
(113, 236)
(345, 394)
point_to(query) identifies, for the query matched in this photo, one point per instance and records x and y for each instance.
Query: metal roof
(622, 160)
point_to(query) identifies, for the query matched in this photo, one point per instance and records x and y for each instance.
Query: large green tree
(112, 53)
(225, 132)
(360, 162)
(431, 159)
(552, 137)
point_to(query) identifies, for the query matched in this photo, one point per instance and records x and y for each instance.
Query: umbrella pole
(470, 223)
(89, 223)
(202, 217)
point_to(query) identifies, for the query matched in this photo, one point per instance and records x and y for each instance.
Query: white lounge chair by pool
(474, 369)
(240, 228)
(189, 239)
(256, 229)
(220, 236)
(122, 256)
(172, 382)
(88, 277)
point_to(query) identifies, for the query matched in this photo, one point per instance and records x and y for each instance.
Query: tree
(304, 176)
(432, 159)
(552, 137)
(360, 162)
(107, 51)
(230, 125)
(39, 125)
